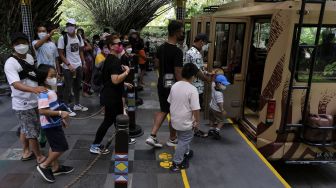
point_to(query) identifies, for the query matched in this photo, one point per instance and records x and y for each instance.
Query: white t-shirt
(20, 100)
(72, 50)
(216, 97)
(183, 99)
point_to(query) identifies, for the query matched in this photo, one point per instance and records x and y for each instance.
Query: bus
(280, 57)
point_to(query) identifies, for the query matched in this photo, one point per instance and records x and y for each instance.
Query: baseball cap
(202, 36)
(222, 80)
(71, 21)
(131, 31)
(18, 35)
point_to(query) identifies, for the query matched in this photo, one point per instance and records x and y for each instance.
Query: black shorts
(56, 139)
(142, 66)
(163, 96)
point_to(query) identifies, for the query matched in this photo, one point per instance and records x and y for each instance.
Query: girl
(51, 121)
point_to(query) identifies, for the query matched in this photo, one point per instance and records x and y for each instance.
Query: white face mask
(205, 48)
(129, 50)
(42, 35)
(71, 29)
(51, 81)
(21, 48)
(222, 87)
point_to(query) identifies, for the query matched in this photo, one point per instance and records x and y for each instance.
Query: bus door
(226, 56)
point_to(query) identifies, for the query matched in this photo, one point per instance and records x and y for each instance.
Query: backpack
(28, 70)
(65, 38)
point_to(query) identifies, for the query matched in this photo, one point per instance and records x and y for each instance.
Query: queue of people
(102, 67)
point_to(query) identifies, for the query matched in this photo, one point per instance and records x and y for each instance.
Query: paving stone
(13, 180)
(173, 180)
(7, 139)
(144, 155)
(84, 154)
(150, 178)
(148, 167)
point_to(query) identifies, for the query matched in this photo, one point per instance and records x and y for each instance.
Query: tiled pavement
(216, 164)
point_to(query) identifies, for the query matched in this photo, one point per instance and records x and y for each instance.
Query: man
(70, 48)
(170, 59)
(21, 75)
(193, 55)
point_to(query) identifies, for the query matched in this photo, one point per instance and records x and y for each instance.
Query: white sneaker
(153, 142)
(79, 107)
(71, 113)
(172, 143)
(131, 141)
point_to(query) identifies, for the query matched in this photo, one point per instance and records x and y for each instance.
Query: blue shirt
(46, 54)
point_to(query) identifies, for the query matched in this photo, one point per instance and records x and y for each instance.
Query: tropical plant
(123, 15)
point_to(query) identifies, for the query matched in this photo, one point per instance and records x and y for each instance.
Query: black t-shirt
(170, 56)
(112, 92)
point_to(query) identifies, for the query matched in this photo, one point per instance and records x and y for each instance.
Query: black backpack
(65, 38)
(28, 70)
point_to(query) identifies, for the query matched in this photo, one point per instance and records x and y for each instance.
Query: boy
(185, 115)
(217, 112)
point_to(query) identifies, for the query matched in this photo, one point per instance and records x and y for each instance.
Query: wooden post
(121, 152)
(181, 9)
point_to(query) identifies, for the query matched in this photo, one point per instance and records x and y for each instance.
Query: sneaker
(71, 113)
(172, 143)
(178, 167)
(46, 173)
(98, 149)
(201, 134)
(131, 141)
(216, 135)
(211, 132)
(79, 107)
(153, 141)
(189, 155)
(63, 170)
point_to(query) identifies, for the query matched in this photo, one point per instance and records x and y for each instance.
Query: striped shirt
(48, 100)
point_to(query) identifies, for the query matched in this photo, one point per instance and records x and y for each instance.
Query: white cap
(104, 35)
(71, 21)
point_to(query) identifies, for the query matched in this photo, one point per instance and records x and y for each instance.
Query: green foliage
(330, 70)
(157, 32)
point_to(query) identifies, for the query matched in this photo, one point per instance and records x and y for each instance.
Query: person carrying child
(185, 115)
(217, 112)
(52, 119)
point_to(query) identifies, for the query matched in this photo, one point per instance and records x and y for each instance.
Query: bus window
(229, 40)
(187, 30)
(325, 65)
(207, 28)
(199, 27)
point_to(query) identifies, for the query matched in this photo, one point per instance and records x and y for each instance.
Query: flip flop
(30, 157)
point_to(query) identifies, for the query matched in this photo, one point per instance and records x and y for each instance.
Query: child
(185, 115)
(52, 121)
(217, 112)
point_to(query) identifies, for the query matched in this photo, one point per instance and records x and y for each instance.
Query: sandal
(30, 157)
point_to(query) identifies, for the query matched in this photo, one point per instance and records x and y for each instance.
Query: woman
(114, 74)
(88, 55)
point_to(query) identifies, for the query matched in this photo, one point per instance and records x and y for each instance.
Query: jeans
(72, 80)
(183, 145)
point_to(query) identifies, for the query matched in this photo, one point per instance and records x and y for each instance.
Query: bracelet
(60, 113)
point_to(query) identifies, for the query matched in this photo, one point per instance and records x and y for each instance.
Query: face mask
(106, 51)
(42, 35)
(21, 48)
(119, 49)
(129, 50)
(222, 87)
(71, 29)
(205, 48)
(51, 81)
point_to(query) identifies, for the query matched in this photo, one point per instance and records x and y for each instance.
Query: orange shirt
(142, 57)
